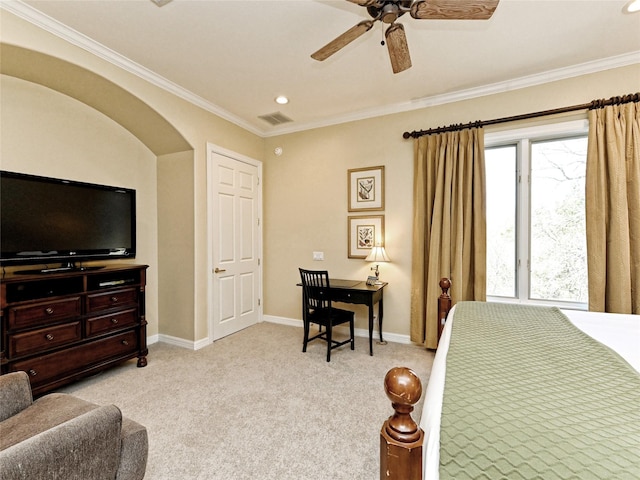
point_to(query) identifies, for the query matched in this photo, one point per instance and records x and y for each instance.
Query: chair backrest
(315, 289)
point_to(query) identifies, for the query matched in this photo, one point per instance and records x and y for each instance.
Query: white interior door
(235, 246)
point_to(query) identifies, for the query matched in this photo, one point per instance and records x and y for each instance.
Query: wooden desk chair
(317, 308)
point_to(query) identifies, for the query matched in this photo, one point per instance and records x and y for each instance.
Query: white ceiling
(233, 57)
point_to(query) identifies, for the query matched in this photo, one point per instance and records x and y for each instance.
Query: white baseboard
(291, 322)
(359, 332)
(197, 345)
(180, 342)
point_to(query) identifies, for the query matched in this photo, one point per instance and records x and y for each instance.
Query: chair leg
(329, 332)
(305, 340)
(352, 335)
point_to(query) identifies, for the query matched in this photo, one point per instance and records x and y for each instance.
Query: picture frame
(366, 189)
(364, 233)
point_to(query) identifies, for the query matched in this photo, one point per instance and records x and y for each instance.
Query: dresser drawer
(97, 302)
(44, 339)
(106, 323)
(42, 313)
(75, 359)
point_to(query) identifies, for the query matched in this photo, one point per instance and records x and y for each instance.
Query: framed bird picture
(366, 189)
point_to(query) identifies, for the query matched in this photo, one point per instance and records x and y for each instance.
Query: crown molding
(586, 68)
(47, 23)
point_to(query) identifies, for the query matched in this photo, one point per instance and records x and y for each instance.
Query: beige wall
(175, 240)
(305, 189)
(306, 211)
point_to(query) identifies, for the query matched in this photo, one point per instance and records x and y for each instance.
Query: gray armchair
(60, 436)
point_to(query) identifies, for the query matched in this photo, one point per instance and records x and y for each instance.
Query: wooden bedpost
(401, 438)
(444, 304)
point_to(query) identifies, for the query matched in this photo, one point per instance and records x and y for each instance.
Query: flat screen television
(49, 221)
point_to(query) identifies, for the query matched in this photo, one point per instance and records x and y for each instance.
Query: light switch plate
(318, 256)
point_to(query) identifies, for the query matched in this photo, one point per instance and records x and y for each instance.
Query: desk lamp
(377, 255)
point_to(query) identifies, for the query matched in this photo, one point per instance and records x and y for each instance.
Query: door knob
(219, 270)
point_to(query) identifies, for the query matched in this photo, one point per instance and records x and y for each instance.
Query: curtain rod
(634, 97)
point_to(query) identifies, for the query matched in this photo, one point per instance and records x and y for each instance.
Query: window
(536, 240)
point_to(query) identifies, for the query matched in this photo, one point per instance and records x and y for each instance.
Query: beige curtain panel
(613, 208)
(449, 225)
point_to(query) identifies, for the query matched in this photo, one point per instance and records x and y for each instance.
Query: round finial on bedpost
(445, 285)
(404, 389)
(401, 438)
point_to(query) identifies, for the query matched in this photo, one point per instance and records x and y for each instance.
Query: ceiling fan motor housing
(389, 11)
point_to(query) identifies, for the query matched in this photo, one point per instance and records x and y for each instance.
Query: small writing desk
(358, 292)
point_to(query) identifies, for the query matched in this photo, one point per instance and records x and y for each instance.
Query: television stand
(70, 324)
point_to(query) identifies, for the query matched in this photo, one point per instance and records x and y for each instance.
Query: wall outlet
(318, 256)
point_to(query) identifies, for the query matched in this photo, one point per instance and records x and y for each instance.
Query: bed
(477, 442)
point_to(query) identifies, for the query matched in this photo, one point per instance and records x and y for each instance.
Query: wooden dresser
(59, 327)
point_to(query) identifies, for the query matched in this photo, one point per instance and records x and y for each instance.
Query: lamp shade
(378, 254)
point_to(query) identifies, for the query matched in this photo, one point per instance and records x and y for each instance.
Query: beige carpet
(253, 406)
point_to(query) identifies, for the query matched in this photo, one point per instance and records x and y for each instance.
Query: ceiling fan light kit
(388, 11)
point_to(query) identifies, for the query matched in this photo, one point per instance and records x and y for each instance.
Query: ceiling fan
(388, 11)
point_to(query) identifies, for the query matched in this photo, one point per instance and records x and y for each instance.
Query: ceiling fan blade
(453, 9)
(347, 37)
(398, 49)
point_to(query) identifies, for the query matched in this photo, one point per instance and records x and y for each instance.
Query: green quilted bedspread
(530, 396)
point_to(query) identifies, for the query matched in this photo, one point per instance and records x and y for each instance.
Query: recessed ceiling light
(632, 7)
(282, 100)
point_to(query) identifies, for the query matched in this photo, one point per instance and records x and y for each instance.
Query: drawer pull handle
(114, 320)
(33, 373)
(125, 343)
(48, 311)
(49, 337)
(114, 299)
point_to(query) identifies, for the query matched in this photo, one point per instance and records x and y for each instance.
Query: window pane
(558, 235)
(500, 164)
